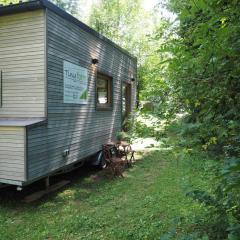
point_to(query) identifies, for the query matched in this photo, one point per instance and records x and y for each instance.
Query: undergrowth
(150, 202)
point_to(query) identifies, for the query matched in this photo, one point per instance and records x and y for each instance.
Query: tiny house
(64, 91)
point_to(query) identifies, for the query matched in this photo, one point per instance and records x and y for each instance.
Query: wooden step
(37, 195)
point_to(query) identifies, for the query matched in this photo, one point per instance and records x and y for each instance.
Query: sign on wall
(75, 83)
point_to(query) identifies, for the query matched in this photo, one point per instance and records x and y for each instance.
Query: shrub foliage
(202, 70)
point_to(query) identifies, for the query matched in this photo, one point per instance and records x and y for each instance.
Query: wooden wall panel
(22, 61)
(12, 153)
(80, 128)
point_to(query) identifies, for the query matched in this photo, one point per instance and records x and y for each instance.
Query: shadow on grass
(84, 181)
(9, 196)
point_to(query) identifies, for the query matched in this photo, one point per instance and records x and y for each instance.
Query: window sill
(104, 108)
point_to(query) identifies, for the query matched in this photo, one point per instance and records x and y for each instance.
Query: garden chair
(114, 160)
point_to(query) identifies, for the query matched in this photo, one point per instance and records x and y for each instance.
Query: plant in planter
(119, 137)
(122, 136)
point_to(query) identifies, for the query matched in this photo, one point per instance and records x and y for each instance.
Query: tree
(71, 6)
(6, 2)
(202, 69)
(126, 23)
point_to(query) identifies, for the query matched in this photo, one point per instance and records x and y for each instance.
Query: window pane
(102, 91)
(102, 97)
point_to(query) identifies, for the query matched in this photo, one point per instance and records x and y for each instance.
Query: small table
(125, 149)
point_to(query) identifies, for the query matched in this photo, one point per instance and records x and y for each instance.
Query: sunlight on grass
(69, 193)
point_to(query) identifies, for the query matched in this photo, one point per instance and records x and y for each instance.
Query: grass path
(148, 203)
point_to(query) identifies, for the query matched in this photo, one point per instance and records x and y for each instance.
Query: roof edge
(20, 7)
(39, 4)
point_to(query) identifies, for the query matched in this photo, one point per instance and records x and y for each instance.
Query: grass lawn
(148, 203)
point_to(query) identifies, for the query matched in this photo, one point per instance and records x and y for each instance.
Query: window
(103, 92)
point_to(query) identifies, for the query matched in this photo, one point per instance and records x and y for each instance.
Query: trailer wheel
(99, 161)
(102, 163)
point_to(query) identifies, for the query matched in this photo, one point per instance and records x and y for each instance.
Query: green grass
(148, 203)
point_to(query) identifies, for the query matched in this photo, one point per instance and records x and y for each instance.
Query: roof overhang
(21, 122)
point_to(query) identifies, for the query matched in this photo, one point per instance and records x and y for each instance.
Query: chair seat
(117, 160)
(124, 144)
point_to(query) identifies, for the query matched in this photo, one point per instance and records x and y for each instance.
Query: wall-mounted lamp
(94, 61)
(133, 79)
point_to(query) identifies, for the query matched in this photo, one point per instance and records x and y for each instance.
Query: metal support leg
(47, 182)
